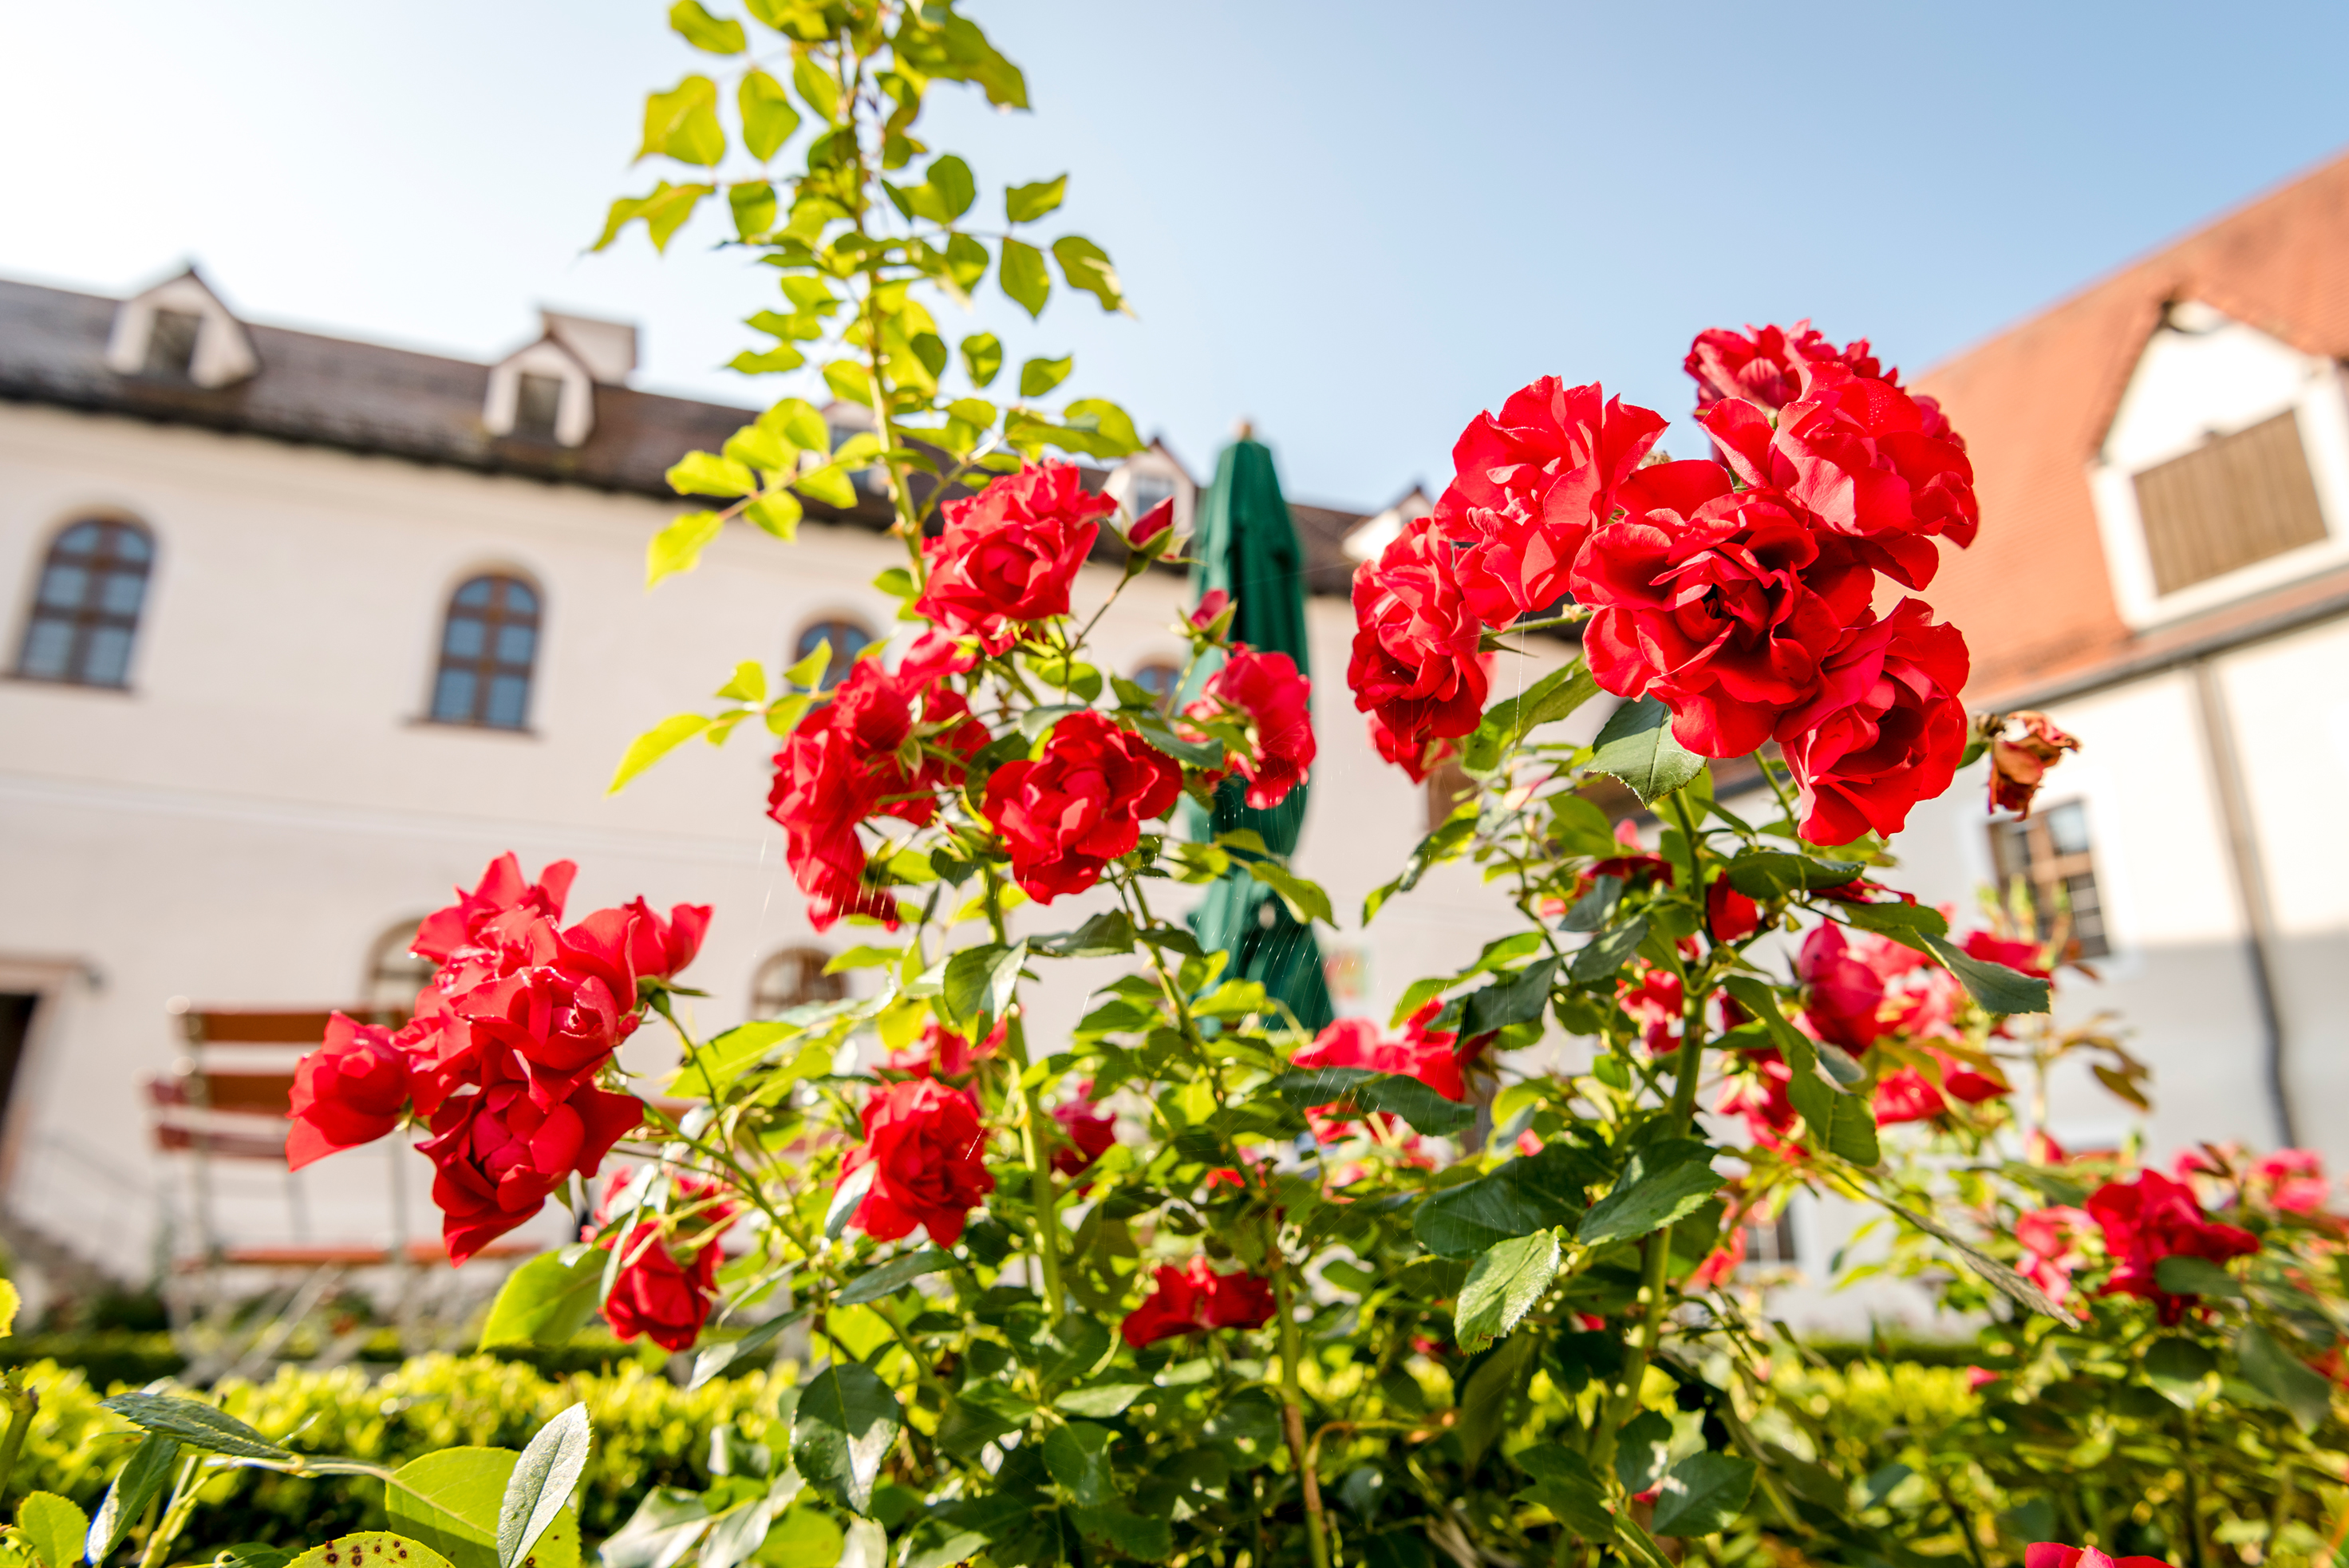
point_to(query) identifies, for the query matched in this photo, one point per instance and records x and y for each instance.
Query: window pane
(847, 640)
(48, 643)
(64, 586)
(465, 638)
(508, 693)
(106, 658)
(538, 402)
(171, 344)
(476, 592)
(130, 544)
(2067, 828)
(515, 643)
(520, 600)
(452, 697)
(81, 539)
(118, 592)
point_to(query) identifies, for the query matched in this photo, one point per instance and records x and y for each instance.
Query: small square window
(171, 344)
(2051, 855)
(538, 403)
(1770, 1243)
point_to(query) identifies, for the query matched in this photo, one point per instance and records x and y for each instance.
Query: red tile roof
(2033, 595)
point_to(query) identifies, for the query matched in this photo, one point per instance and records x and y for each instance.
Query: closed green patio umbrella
(1246, 544)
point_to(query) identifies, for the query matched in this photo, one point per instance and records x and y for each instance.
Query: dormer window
(171, 344)
(2225, 471)
(546, 391)
(1149, 477)
(538, 405)
(180, 332)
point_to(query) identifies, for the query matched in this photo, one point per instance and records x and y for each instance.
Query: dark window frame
(89, 619)
(2028, 847)
(836, 670)
(466, 689)
(772, 993)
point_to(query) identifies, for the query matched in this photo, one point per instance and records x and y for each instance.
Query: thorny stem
(22, 1400)
(1292, 1416)
(1031, 1139)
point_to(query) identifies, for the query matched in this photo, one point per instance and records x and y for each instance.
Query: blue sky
(1357, 225)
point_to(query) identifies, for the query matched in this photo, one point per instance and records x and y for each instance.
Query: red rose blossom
(497, 1157)
(656, 1295)
(1769, 367)
(1427, 1054)
(1067, 815)
(2056, 1554)
(927, 1152)
(1195, 1299)
(1416, 663)
(2022, 747)
(349, 1091)
(1418, 757)
(2153, 1218)
(1729, 915)
(623, 946)
(1844, 1000)
(1762, 1099)
(1886, 730)
(1090, 1132)
(944, 1053)
(1529, 486)
(1267, 691)
(1011, 552)
(501, 892)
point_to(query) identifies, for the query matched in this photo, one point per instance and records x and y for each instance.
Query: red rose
(2155, 1217)
(1729, 915)
(1769, 366)
(1009, 552)
(1416, 663)
(1265, 689)
(1886, 730)
(2028, 957)
(1067, 815)
(1846, 994)
(623, 946)
(2022, 747)
(943, 1054)
(1427, 1054)
(1090, 1132)
(1196, 1300)
(349, 1091)
(2056, 1554)
(1762, 1099)
(1870, 461)
(2051, 1246)
(1418, 757)
(562, 1030)
(1654, 1001)
(1529, 486)
(497, 1155)
(501, 892)
(1907, 1095)
(1152, 524)
(1722, 604)
(656, 1295)
(927, 1152)
(1211, 608)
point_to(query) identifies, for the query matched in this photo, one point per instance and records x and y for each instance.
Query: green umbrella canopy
(1246, 544)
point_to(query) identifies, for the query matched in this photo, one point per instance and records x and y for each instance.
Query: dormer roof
(179, 331)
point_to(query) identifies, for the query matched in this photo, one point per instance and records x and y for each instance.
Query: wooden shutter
(2239, 499)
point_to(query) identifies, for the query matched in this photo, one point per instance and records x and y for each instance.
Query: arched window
(794, 977)
(487, 650)
(848, 637)
(86, 609)
(1159, 678)
(394, 976)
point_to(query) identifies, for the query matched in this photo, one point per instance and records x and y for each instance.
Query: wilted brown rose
(2022, 747)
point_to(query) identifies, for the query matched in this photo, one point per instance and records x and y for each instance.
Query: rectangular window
(1770, 1243)
(171, 344)
(2236, 499)
(2049, 852)
(538, 402)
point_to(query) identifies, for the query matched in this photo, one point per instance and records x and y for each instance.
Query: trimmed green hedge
(648, 1432)
(108, 1356)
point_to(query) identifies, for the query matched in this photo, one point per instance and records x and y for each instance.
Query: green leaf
(1909, 924)
(1995, 986)
(1504, 1285)
(979, 985)
(55, 1526)
(1512, 999)
(753, 205)
(1637, 747)
(1306, 901)
(1146, 1536)
(678, 547)
(1026, 203)
(845, 1424)
(544, 1302)
(142, 1476)
(1107, 935)
(1552, 697)
(1360, 1089)
(1591, 910)
(1643, 1451)
(706, 32)
(654, 744)
(1774, 874)
(1102, 1401)
(370, 1548)
(1565, 1484)
(2182, 1372)
(1485, 1397)
(818, 90)
(1086, 267)
(2304, 1393)
(1038, 377)
(707, 473)
(725, 1357)
(1608, 951)
(982, 357)
(682, 124)
(2181, 1275)
(541, 1486)
(664, 212)
(1659, 1185)
(1109, 429)
(2013, 1284)
(1022, 274)
(1703, 1494)
(1077, 1455)
(197, 1424)
(768, 118)
(450, 1501)
(949, 177)
(894, 1276)
(1529, 1194)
